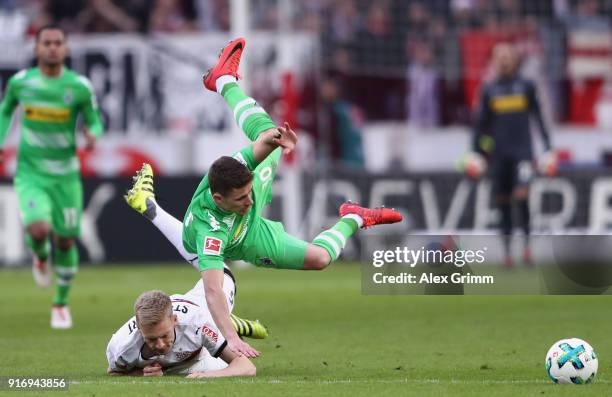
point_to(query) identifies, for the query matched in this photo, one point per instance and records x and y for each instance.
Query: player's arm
(217, 305)
(237, 366)
(265, 144)
(7, 107)
(91, 115)
(534, 108)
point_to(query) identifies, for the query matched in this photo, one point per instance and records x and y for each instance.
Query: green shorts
(270, 246)
(268, 243)
(57, 201)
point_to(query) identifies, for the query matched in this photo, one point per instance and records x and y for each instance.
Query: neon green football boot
(141, 197)
(249, 328)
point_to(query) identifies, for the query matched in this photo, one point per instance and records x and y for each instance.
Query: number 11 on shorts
(70, 217)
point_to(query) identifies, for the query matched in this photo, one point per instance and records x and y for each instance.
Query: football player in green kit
(47, 180)
(224, 222)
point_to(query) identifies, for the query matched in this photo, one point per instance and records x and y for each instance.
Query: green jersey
(217, 235)
(50, 107)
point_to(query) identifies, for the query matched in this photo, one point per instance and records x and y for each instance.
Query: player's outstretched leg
(333, 241)
(141, 197)
(223, 78)
(65, 266)
(249, 328)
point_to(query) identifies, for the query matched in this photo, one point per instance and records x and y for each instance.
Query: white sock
(172, 228)
(223, 80)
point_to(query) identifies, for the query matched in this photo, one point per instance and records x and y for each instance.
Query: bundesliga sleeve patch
(212, 246)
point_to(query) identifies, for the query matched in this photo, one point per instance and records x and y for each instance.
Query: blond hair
(152, 307)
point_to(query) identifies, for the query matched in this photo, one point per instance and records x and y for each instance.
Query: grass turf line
(326, 338)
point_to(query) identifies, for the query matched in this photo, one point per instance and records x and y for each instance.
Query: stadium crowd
(413, 52)
(423, 61)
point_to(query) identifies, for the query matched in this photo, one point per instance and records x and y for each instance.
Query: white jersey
(195, 330)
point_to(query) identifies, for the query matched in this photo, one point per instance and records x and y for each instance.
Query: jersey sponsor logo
(185, 356)
(214, 223)
(509, 103)
(210, 333)
(212, 245)
(47, 115)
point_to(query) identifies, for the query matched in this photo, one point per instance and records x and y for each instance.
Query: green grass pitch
(326, 337)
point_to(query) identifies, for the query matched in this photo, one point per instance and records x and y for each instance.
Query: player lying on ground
(175, 335)
(47, 180)
(224, 222)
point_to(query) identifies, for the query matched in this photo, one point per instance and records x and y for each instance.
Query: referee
(505, 107)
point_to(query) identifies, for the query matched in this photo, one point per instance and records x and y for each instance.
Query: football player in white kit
(175, 335)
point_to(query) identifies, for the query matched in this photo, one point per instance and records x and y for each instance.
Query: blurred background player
(223, 221)
(175, 335)
(505, 107)
(47, 180)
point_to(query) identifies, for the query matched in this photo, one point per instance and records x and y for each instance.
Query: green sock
(250, 117)
(334, 239)
(40, 248)
(65, 265)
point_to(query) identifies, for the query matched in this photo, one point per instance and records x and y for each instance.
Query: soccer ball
(474, 165)
(548, 164)
(571, 361)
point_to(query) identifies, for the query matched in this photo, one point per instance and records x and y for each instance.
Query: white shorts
(229, 289)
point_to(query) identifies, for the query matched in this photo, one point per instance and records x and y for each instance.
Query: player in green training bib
(47, 180)
(224, 222)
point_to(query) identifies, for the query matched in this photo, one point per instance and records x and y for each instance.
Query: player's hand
(154, 369)
(90, 141)
(285, 137)
(241, 348)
